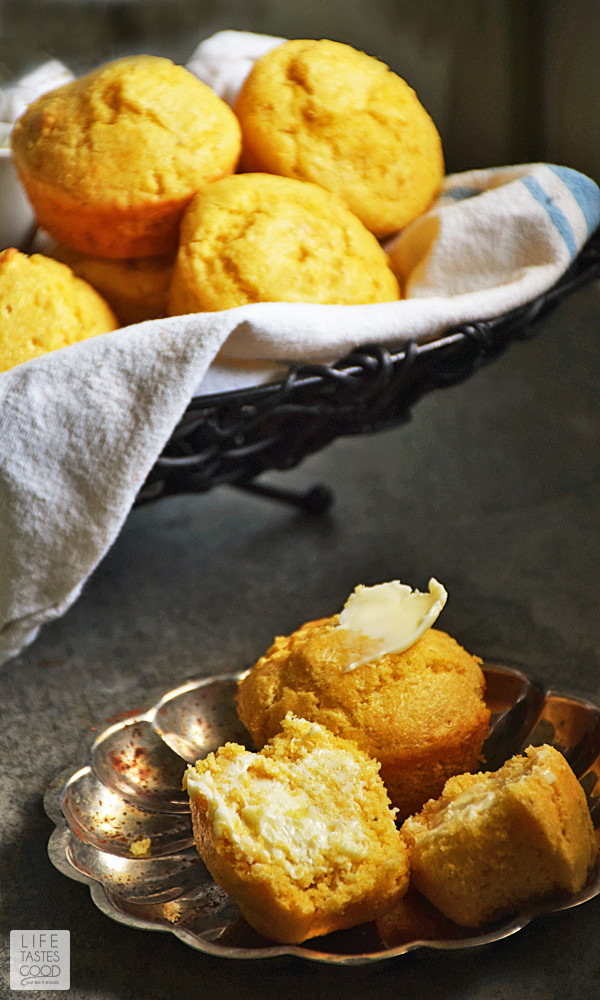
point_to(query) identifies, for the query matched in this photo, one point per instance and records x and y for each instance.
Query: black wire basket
(232, 437)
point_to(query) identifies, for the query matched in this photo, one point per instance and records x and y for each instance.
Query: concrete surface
(493, 487)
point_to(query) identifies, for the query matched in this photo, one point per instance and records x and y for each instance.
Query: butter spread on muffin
(322, 111)
(388, 618)
(301, 834)
(261, 238)
(110, 160)
(420, 712)
(44, 306)
(497, 841)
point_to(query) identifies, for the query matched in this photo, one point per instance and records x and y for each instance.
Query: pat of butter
(388, 618)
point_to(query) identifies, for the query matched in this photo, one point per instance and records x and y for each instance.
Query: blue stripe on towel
(556, 215)
(585, 192)
(459, 193)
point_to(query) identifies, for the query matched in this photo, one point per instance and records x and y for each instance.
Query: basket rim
(233, 436)
(583, 269)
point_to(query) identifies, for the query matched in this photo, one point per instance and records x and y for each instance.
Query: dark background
(505, 80)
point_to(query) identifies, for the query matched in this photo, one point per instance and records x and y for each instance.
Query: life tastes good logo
(40, 960)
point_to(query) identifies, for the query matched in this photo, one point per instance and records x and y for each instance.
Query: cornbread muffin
(413, 918)
(261, 238)
(421, 712)
(136, 288)
(44, 306)
(110, 161)
(322, 111)
(497, 841)
(301, 835)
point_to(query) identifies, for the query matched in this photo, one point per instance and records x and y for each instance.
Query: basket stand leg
(316, 500)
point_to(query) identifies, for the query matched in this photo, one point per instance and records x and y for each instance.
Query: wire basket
(232, 437)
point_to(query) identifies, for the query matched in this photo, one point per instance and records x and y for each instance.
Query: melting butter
(273, 818)
(388, 618)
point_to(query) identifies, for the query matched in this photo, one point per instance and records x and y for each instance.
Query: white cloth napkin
(80, 428)
(48, 76)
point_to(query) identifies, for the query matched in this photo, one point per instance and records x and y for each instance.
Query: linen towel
(81, 428)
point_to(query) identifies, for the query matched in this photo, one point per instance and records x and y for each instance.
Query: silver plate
(123, 824)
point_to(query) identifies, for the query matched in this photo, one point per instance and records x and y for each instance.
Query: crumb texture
(496, 841)
(301, 834)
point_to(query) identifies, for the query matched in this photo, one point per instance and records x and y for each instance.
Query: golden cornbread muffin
(110, 161)
(413, 918)
(421, 712)
(301, 835)
(322, 111)
(261, 238)
(44, 306)
(496, 841)
(136, 288)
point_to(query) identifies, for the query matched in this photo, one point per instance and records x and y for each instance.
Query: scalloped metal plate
(122, 823)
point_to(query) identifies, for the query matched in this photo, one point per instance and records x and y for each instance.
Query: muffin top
(261, 238)
(136, 130)
(407, 699)
(322, 111)
(44, 306)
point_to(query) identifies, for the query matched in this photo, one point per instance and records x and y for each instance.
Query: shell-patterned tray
(122, 821)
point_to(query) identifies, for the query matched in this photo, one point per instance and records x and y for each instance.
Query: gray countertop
(492, 487)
